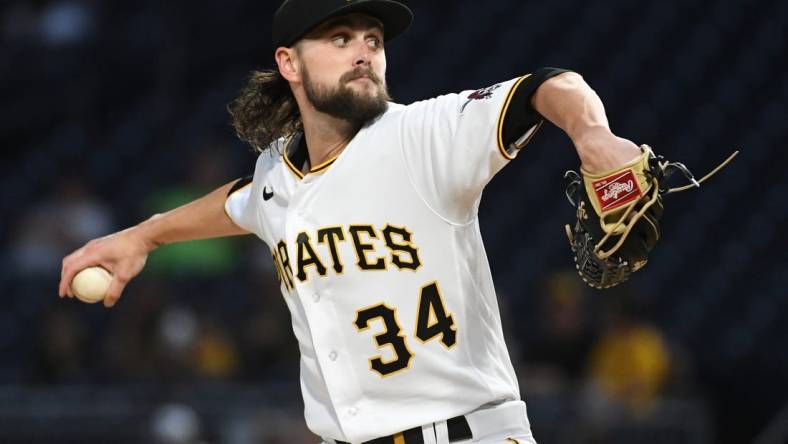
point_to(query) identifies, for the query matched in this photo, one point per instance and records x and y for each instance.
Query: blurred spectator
(266, 341)
(178, 331)
(215, 354)
(132, 335)
(630, 362)
(558, 351)
(156, 338)
(193, 346)
(268, 346)
(176, 424)
(55, 226)
(269, 426)
(62, 349)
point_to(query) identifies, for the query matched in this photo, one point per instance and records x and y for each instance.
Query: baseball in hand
(91, 284)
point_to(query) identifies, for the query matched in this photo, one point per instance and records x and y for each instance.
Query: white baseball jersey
(382, 265)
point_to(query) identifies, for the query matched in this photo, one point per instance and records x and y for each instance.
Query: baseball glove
(618, 215)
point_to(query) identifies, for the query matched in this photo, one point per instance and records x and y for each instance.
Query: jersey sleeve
(243, 200)
(239, 205)
(454, 144)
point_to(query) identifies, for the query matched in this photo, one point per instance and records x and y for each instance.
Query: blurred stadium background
(114, 110)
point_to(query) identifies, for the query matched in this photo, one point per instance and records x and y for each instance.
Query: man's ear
(287, 63)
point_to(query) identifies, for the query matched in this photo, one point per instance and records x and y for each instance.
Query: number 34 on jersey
(433, 323)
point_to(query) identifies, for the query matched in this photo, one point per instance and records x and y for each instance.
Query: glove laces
(664, 171)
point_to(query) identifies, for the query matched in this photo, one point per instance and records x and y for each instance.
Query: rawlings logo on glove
(609, 191)
(614, 240)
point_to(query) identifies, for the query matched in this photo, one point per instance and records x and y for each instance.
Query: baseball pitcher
(369, 209)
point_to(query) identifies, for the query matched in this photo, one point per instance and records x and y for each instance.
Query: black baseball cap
(295, 18)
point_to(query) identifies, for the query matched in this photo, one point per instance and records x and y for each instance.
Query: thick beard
(346, 104)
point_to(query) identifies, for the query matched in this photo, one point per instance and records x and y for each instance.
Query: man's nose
(364, 56)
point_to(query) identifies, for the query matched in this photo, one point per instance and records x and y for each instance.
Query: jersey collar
(296, 157)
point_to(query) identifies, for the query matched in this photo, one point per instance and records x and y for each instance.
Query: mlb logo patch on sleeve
(480, 94)
(615, 191)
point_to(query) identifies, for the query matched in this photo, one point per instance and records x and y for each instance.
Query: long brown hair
(265, 110)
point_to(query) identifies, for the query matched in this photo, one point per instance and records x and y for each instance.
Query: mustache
(358, 73)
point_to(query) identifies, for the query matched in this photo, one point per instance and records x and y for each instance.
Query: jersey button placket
(325, 327)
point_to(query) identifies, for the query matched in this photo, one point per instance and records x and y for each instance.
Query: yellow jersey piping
(501, 117)
(318, 169)
(292, 167)
(323, 166)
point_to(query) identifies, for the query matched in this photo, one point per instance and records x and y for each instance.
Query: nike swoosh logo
(267, 195)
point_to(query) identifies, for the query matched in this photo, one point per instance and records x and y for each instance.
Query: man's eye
(340, 40)
(375, 42)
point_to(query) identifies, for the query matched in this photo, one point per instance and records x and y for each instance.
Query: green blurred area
(207, 257)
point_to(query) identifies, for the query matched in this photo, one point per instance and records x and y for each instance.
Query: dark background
(112, 111)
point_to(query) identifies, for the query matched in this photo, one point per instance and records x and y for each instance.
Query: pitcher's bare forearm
(124, 253)
(568, 101)
(203, 218)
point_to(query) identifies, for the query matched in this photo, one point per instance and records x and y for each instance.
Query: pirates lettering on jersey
(316, 254)
(284, 263)
(332, 235)
(307, 257)
(277, 266)
(405, 246)
(362, 248)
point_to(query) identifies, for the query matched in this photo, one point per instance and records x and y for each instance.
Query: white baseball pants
(505, 423)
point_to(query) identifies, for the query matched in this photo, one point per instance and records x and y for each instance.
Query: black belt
(458, 431)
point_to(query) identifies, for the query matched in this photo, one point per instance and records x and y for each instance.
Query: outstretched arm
(567, 101)
(124, 253)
